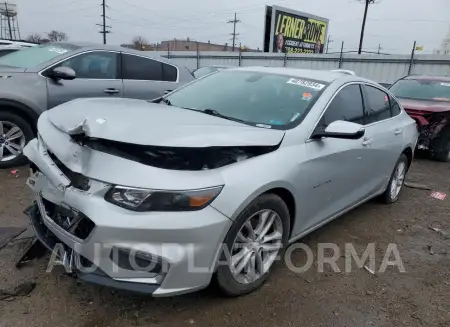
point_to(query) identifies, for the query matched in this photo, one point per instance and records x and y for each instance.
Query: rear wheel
(397, 180)
(252, 245)
(15, 133)
(441, 145)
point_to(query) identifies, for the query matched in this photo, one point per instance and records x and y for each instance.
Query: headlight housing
(143, 200)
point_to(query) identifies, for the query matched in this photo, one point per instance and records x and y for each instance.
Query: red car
(427, 100)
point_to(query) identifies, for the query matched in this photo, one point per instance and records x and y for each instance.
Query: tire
(389, 196)
(230, 284)
(441, 145)
(9, 120)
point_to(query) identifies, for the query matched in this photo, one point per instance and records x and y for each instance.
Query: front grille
(77, 180)
(76, 223)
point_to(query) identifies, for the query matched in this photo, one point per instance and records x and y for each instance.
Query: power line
(234, 34)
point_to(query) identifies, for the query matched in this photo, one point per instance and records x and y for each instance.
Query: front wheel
(252, 244)
(397, 180)
(15, 133)
(441, 146)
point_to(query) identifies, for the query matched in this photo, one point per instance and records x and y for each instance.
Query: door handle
(367, 142)
(398, 131)
(111, 91)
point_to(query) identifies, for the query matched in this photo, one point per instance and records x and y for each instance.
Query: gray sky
(394, 24)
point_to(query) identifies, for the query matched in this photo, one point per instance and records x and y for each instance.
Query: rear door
(384, 134)
(340, 166)
(146, 78)
(97, 75)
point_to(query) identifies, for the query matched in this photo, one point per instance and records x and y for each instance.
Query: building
(187, 45)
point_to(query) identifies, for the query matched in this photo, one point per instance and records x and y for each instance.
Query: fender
(26, 111)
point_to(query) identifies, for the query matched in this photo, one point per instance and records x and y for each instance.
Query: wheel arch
(21, 110)
(409, 153)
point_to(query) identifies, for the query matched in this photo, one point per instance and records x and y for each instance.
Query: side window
(377, 106)
(346, 105)
(395, 107)
(140, 68)
(94, 65)
(170, 73)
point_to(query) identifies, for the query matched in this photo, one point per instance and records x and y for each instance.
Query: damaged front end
(175, 158)
(430, 125)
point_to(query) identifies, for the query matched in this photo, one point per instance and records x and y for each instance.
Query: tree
(139, 43)
(35, 38)
(56, 36)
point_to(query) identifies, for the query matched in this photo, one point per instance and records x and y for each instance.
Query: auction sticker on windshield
(305, 83)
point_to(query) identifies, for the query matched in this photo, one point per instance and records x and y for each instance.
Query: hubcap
(256, 246)
(12, 141)
(397, 180)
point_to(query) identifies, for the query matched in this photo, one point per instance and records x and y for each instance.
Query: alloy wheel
(12, 141)
(256, 246)
(397, 180)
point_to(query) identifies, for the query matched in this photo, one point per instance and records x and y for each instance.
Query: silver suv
(39, 78)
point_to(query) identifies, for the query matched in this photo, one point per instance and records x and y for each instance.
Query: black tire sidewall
(225, 280)
(441, 145)
(387, 194)
(26, 129)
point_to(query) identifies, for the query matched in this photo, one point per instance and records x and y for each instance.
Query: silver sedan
(215, 179)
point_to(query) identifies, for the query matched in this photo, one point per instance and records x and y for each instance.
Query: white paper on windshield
(302, 82)
(445, 84)
(58, 50)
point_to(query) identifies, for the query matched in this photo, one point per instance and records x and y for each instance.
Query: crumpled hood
(431, 106)
(144, 123)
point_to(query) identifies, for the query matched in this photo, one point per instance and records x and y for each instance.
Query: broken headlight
(159, 200)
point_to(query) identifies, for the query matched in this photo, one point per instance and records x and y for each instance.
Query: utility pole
(367, 3)
(379, 48)
(234, 34)
(9, 21)
(103, 25)
(328, 42)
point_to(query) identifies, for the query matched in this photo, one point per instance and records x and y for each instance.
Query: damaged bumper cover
(183, 245)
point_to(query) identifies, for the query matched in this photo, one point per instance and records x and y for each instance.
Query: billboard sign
(293, 31)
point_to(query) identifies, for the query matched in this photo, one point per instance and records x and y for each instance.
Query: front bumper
(185, 245)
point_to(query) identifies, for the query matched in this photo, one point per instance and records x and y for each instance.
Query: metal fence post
(285, 58)
(198, 57)
(240, 54)
(168, 50)
(411, 62)
(341, 57)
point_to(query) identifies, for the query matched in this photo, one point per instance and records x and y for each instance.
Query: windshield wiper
(166, 101)
(215, 113)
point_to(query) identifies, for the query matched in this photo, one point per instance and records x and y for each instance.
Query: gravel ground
(418, 297)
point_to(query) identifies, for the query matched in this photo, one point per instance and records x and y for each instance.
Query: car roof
(86, 46)
(429, 78)
(321, 75)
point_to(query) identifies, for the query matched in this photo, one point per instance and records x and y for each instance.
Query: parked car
(44, 76)
(427, 100)
(205, 70)
(263, 157)
(4, 50)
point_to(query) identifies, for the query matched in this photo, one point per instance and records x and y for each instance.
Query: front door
(97, 75)
(339, 167)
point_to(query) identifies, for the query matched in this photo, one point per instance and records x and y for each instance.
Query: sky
(392, 24)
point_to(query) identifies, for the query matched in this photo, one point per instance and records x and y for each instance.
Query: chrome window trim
(79, 54)
(335, 94)
(149, 80)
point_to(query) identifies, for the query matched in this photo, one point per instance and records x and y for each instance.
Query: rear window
(421, 89)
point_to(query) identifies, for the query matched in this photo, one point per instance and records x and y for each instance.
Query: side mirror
(66, 73)
(341, 129)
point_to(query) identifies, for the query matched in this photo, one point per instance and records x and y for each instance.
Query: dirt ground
(418, 297)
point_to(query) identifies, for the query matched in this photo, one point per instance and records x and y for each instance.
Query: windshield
(422, 90)
(34, 56)
(204, 71)
(259, 99)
